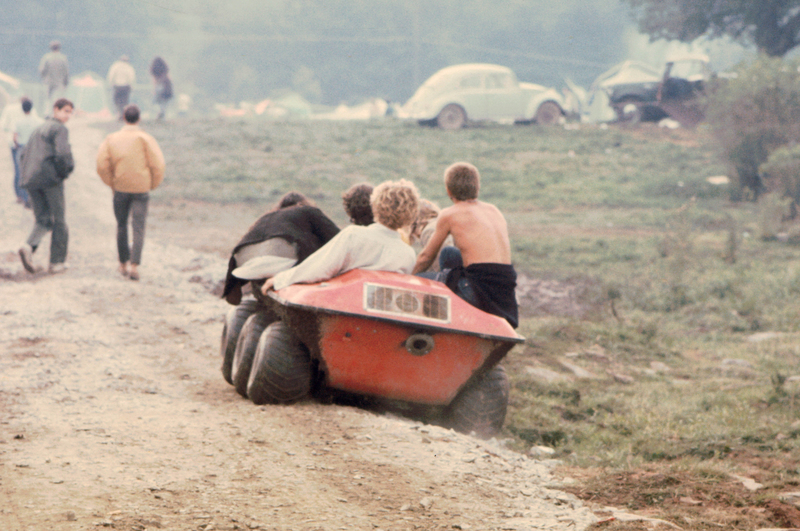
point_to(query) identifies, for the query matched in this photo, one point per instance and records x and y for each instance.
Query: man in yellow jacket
(131, 163)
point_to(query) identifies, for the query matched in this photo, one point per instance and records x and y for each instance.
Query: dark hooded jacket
(47, 157)
(304, 226)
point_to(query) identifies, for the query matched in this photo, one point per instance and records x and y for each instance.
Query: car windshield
(689, 69)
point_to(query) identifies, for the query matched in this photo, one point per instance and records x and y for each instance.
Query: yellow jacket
(130, 161)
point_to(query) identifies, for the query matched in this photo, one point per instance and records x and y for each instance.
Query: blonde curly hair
(395, 203)
(463, 181)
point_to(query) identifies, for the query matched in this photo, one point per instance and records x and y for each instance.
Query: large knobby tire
(234, 322)
(481, 406)
(452, 117)
(548, 113)
(282, 371)
(246, 349)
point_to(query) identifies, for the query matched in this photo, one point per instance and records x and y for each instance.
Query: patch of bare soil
(114, 414)
(665, 496)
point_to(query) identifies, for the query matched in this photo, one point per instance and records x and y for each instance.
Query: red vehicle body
(398, 337)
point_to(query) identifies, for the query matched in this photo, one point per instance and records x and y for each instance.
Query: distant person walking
(121, 77)
(131, 163)
(46, 162)
(162, 85)
(54, 70)
(14, 113)
(23, 130)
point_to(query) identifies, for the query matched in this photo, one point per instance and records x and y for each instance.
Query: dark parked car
(638, 92)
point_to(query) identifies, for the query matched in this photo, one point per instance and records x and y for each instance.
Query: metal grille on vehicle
(398, 301)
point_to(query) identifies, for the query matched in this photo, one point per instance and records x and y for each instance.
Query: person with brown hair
(376, 247)
(487, 280)
(356, 204)
(46, 163)
(130, 161)
(294, 228)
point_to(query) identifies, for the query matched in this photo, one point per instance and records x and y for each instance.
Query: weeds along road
(114, 414)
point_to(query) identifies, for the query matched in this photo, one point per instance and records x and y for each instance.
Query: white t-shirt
(375, 248)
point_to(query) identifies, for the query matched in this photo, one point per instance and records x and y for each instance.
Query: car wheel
(282, 372)
(452, 117)
(481, 406)
(548, 113)
(246, 349)
(234, 321)
(629, 111)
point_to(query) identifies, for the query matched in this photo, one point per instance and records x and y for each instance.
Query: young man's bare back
(479, 231)
(487, 279)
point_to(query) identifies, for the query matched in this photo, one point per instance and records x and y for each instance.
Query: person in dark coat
(46, 162)
(294, 228)
(162, 85)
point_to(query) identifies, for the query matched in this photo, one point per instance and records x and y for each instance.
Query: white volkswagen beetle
(476, 92)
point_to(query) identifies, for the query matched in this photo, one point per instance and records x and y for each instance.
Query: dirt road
(114, 414)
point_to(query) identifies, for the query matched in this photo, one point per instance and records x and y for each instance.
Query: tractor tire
(282, 371)
(246, 349)
(451, 117)
(230, 333)
(481, 406)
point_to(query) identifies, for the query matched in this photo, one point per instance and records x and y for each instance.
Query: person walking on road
(23, 130)
(162, 85)
(54, 70)
(132, 164)
(46, 163)
(121, 77)
(15, 113)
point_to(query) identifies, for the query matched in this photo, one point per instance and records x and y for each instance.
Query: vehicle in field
(638, 92)
(379, 334)
(459, 95)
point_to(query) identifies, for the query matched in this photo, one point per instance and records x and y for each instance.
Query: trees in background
(754, 115)
(772, 26)
(341, 50)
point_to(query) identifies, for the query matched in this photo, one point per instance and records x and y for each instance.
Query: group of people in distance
(465, 246)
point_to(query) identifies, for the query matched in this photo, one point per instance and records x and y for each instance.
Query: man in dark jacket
(46, 162)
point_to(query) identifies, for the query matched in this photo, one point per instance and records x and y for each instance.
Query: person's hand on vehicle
(267, 286)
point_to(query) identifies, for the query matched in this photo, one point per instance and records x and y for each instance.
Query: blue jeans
(21, 193)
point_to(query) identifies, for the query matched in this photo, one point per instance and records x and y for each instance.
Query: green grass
(626, 213)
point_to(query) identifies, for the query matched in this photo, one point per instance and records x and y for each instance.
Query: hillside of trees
(332, 52)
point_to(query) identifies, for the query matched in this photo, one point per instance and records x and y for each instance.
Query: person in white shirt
(376, 247)
(121, 77)
(19, 120)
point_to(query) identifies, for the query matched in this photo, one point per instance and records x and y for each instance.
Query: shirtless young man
(487, 279)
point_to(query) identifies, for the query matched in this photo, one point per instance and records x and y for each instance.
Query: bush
(780, 175)
(753, 115)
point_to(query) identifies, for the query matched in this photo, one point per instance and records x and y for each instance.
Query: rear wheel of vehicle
(246, 349)
(481, 406)
(452, 117)
(548, 113)
(234, 321)
(282, 371)
(629, 111)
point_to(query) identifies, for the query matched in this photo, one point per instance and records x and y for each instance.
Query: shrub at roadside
(752, 116)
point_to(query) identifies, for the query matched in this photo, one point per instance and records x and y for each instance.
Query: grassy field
(676, 373)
